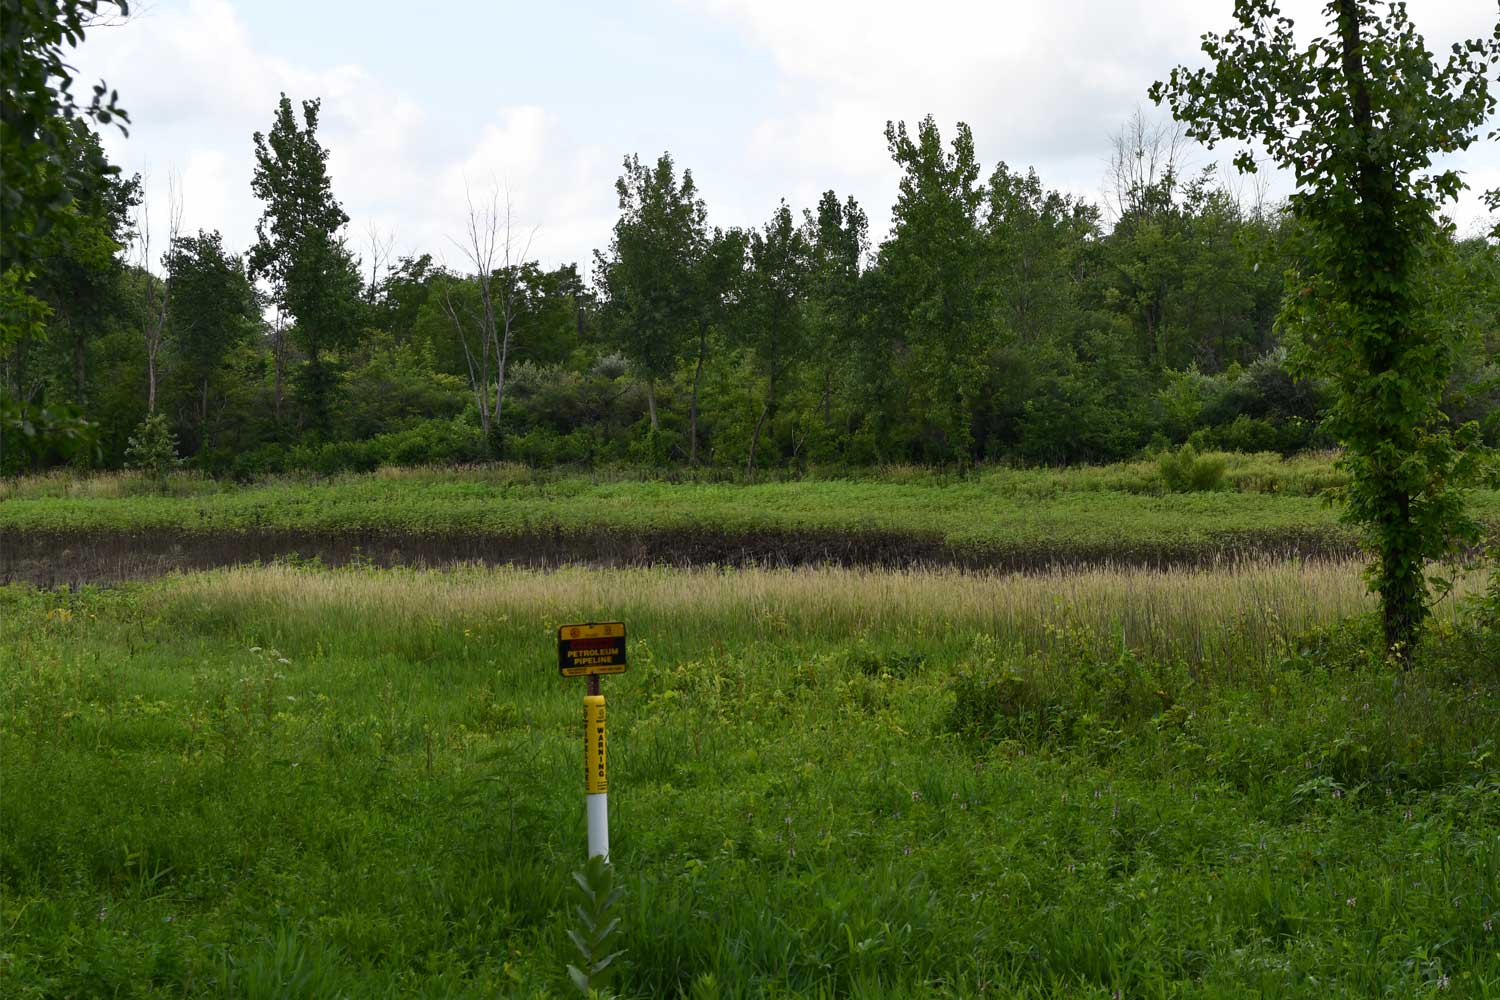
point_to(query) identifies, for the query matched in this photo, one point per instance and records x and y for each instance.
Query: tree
(838, 239)
(300, 251)
(772, 324)
(931, 273)
(38, 111)
(213, 309)
(491, 246)
(650, 276)
(76, 278)
(718, 277)
(157, 288)
(1357, 117)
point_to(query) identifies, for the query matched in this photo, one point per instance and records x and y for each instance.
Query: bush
(1185, 471)
(990, 707)
(153, 448)
(428, 442)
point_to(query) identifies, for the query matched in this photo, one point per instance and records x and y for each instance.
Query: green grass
(282, 782)
(1113, 509)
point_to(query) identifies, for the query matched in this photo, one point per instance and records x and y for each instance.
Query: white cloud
(1042, 84)
(200, 85)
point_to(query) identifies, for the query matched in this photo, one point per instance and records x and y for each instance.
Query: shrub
(153, 448)
(1185, 471)
(990, 707)
(34, 436)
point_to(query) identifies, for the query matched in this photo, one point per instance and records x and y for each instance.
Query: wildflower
(1489, 925)
(916, 796)
(1338, 793)
(906, 850)
(1407, 815)
(1443, 982)
(103, 913)
(1349, 902)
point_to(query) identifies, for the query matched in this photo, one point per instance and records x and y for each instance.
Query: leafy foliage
(153, 448)
(1184, 470)
(299, 248)
(33, 435)
(38, 114)
(1357, 116)
(596, 901)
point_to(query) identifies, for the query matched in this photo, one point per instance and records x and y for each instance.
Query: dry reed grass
(1196, 614)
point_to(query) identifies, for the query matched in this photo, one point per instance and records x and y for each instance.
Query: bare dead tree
(158, 292)
(381, 245)
(1145, 161)
(495, 254)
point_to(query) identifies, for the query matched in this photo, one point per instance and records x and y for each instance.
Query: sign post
(591, 650)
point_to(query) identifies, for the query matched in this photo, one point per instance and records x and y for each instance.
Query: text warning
(594, 648)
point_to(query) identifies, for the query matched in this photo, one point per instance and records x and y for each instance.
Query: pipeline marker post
(593, 649)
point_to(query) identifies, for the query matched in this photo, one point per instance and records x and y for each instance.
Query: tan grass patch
(1196, 614)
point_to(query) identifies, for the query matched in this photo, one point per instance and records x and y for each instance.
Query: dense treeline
(999, 320)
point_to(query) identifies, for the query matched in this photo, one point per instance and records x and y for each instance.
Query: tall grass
(1226, 615)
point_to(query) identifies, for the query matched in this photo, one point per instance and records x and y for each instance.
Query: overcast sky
(762, 99)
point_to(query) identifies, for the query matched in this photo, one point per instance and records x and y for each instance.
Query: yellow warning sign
(595, 752)
(591, 648)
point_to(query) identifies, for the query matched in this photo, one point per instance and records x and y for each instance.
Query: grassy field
(1119, 511)
(289, 782)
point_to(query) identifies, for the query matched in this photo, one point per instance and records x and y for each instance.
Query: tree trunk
(826, 403)
(693, 408)
(765, 411)
(1402, 574)
(651, 402)
(502, 355)
(80, 369)
(278, 358)
(203, 416)
(755, 437)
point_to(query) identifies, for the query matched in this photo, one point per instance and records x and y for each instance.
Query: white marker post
(596, 770)
(591, 650)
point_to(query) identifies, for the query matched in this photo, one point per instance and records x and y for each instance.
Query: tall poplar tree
(838, 239)
(651, 276)
(773, 325)
(212, 310)
(300, 251)
(1357, 116)
(932, 275)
